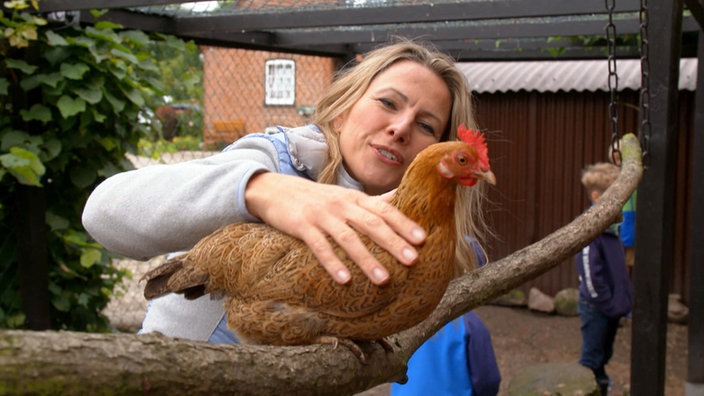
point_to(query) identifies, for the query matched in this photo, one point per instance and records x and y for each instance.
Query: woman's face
(405, 109)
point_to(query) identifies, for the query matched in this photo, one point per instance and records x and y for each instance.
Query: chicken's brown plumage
(278, 293)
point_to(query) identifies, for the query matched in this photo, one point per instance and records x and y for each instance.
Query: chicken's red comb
(476, 140)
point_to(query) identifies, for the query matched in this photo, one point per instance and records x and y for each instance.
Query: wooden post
(33, 255)
(695, 340)
(655, 206)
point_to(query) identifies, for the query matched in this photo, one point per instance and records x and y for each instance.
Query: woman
(312, 182)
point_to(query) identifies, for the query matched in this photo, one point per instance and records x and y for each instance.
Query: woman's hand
(313, 211)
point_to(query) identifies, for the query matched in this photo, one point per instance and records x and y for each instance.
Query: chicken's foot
(351, 345)
(386, 344)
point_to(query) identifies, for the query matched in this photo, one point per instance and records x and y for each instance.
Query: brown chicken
(277, 292)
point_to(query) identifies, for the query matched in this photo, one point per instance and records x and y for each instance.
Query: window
(280, 77)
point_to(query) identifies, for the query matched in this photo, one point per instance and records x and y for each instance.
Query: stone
(677, 312)
(514, 298)
(566, 302)
(539, 301)
(554, 379)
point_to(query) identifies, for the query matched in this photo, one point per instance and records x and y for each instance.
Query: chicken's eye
(461, 159)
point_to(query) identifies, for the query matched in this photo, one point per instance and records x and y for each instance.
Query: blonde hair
(598, 177)
(349, 86)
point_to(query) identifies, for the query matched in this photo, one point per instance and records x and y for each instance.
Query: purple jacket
(603, 277)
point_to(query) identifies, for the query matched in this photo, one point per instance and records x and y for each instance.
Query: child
(604, 285)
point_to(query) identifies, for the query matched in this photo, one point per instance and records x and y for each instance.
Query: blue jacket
(458, 360)
(628, 226)
(603, 277)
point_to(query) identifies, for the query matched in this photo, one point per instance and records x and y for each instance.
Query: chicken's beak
(487, 175)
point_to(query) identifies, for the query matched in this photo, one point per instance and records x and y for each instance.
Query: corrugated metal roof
(554, 76)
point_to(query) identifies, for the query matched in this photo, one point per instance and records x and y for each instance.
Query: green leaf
(16, 320)
(107, 25)
(137, 36)
(52, 148)
(134, 95)
(96, 82)
(13, 137)
(75, 238)
(56, 222)
(90, 95)
(54, 288)
(98, 13)
(125, 55)
(20, 65)
(70, 107)
(97, 116)
(61, 303)
(148, 65)
(24, 165)
(82, 177)
(83, 299)
(117, 104)
(90, 257)
(37, 112)
(57, 55)
(33, 81)
(108, 142)
(4, 85)
(103, 35)
(16, 4)
(118, 69)
(74, 71)
(55, 39)
(109, 169)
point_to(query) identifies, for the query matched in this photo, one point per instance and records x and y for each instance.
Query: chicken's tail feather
(174, 277)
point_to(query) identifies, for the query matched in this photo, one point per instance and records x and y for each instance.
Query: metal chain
(613, 82)
(645, 84)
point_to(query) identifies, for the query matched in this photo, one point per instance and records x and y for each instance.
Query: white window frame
(280, 82)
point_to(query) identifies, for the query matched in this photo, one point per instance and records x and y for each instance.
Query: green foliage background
(70, 97)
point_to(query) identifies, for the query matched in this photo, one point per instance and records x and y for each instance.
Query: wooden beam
(697, 10)
(293, 18)
(464, 31)
(695, 331)
(656, 201)
(135, 20)
(341, 41)
(518, 49)
(74, 5)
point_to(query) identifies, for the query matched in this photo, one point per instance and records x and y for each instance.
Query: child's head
(598, 177)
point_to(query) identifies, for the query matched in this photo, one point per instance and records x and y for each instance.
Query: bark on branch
(79, 363)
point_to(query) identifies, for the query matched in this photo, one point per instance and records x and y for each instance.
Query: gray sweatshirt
(162, 209)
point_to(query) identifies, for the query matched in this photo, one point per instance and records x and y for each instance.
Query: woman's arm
(167, 208)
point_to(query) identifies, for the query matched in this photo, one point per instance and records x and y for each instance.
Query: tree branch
(80, 363)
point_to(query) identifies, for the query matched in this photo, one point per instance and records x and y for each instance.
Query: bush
(69, 104)
(154, 149)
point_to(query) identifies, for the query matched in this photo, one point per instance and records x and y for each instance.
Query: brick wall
(233, 98)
